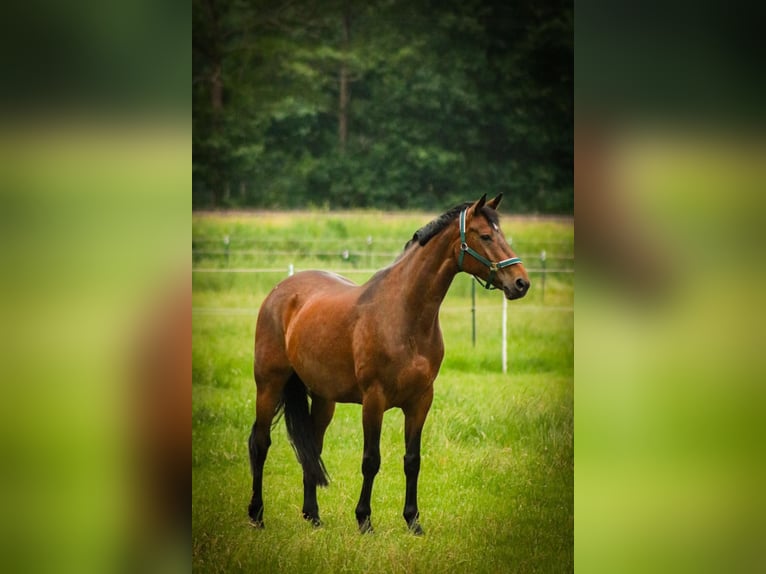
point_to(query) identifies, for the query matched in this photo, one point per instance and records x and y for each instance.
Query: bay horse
(379, 344)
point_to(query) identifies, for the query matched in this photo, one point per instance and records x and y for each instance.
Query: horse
(379, 345)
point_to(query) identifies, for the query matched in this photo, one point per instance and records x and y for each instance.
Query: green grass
(496, 482)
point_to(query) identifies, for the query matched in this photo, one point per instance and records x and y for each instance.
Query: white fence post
(505, 335)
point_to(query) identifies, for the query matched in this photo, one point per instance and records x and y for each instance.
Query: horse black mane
(429, 230)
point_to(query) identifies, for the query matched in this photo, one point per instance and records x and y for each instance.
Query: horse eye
(486, 238)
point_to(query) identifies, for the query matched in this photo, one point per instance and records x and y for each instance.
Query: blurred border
(95, 343)
(669, 180)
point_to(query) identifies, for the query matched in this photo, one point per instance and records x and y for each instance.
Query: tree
(385, 103)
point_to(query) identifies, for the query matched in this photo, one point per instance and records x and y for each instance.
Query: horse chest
(401, 372)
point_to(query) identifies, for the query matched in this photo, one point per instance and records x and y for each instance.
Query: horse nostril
(521, 284)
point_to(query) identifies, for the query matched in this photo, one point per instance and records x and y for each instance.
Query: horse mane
(429, 230)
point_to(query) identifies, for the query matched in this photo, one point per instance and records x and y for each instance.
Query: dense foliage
(383, 103)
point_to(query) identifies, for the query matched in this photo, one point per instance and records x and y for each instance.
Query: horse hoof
(416, 530)
(314, 520)
(366, 527)
(255, 512)
(257, 524)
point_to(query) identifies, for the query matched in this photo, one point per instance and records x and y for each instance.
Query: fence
(349, 256)
(349, 250)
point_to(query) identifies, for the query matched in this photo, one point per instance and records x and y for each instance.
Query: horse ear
(495, 202)
(478, 205)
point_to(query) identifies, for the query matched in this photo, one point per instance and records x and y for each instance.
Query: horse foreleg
(414, 418)
(372, 420)
(322, 412)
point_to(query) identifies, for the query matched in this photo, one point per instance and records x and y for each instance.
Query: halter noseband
(493, 266)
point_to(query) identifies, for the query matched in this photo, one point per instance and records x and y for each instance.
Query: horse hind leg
(268, 402)
(258, 446)
(322, 411)
(306, 431)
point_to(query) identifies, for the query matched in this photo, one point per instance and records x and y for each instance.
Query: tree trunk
(215, 178)
(216, 106)
(216, 92)
(344, 91)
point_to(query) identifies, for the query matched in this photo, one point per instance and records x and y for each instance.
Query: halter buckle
(463, 246)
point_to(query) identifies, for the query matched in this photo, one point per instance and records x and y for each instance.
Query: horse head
(484, 252)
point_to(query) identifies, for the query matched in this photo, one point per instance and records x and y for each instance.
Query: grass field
(496, 482)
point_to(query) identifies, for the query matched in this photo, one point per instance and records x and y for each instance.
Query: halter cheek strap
(493, 266)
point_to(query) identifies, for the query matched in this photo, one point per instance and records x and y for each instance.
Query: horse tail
(301, 431)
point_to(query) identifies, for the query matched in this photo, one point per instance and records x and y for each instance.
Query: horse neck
(424, 276)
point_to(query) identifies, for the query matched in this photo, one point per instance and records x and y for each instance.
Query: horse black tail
(301, 431)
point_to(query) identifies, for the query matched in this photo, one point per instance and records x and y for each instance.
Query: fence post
(473, 311)
(505, 335)
(369, 251)
(290, 270)
(226, 248)
(542, 286)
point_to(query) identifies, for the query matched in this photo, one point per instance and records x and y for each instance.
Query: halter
(493, 266)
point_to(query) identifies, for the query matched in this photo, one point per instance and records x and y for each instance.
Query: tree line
(384, 103)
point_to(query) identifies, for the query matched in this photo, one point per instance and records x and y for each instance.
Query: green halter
(493, 266)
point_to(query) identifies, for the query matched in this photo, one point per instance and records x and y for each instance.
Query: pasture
(496, 482)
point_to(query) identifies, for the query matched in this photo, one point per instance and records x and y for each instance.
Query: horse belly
(326, 377)
(322, 358)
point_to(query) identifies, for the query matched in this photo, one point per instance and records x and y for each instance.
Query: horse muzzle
(516, 289)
